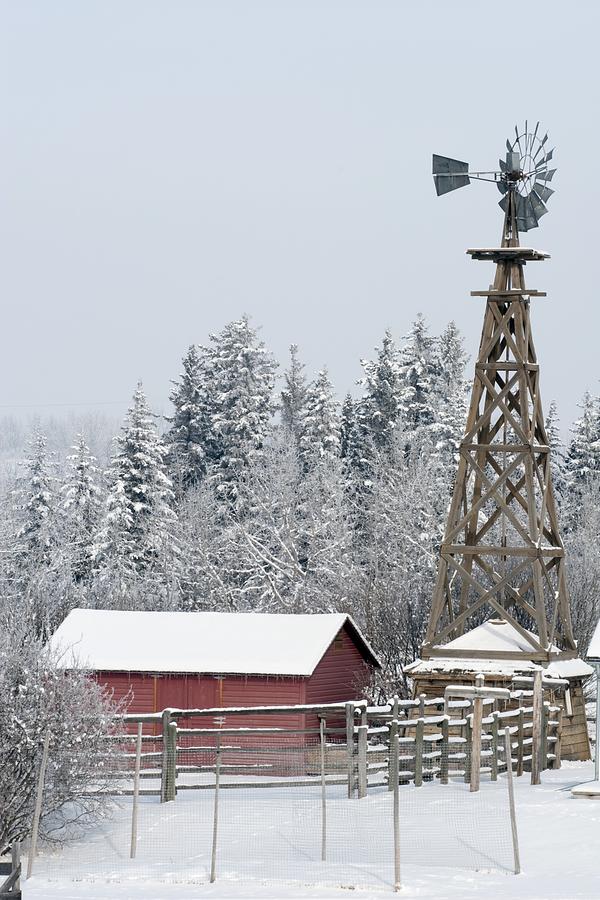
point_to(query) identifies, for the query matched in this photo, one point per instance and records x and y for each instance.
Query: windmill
(500, 603)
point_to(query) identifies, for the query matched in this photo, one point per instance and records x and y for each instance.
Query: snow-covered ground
(454, 845)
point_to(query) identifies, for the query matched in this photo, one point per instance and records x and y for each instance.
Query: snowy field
(454, 845)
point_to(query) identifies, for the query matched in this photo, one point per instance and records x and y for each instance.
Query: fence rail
(435, 739)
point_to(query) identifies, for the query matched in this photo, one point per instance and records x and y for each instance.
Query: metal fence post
(38, 804)
(511, 799)
(136, 791)
(494, 772)
(213, 855)
(322, 730)
(395, 749)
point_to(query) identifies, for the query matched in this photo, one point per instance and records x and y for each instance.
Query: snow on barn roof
(496, 635)
(594, 648)
(199, 642)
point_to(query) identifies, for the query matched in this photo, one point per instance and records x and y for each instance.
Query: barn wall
(341, 674)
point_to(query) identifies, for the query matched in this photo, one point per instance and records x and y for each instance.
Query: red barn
(194, 660)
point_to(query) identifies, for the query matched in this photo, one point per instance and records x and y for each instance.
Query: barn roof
(200, 642)
(495, 635)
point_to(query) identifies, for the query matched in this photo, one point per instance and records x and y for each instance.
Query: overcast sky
(168, 166)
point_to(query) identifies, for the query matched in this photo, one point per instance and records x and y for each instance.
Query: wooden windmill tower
(501, 603)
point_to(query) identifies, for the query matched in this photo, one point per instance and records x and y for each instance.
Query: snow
(594, 648)
(499, 636)
(559, 839)
(224, 643)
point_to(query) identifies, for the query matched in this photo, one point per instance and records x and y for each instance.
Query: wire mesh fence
(273, 809)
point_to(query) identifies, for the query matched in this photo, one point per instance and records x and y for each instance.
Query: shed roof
(495, 635)
(199, 642)
(594, 648)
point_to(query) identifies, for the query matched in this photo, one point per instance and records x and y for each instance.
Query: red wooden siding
(341, 674)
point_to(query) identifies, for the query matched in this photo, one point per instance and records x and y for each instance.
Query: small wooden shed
(504, 645)
(200, 660)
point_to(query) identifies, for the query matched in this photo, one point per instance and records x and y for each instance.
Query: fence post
(213, 854)
(393, 773)
(15, 860)
(536, 730)
(362, 760)
(558, 742)
(164, 774)
(172, 762)
(476, 736)
(468, 729)
(350, 747)
(322, 728)
(419, 731)
(136, 791)
(494, 773)
(395, 750)
(511, 799)
(38, 804)
(520, 738)
(544, 741)
(445, 750)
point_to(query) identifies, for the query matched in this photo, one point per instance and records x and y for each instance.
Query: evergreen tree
(188, 440)
(583, 459)
(241, 382)
(419, 378)
(452, 359)
(81, 508)
(557, 451)
(139, 521)
(293, 396)
(320, 435)
(36, 503)
(379, 407)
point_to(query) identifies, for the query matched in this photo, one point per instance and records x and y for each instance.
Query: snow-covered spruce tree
(240, 386)
(419, 379)
(293, 396)
(557, 452)
(138, 527)
(320, 433)
(189, 439)
(38, 697)
(452, 360)
(583, 458)
(378, 409)
(36, 502)
(81, 508)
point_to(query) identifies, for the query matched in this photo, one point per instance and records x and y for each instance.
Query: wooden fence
(435, 739)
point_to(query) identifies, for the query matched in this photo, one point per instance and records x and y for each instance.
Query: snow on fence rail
(435, 739)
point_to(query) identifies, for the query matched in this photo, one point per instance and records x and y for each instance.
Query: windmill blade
(545, 176)
(449, 174)
(525, 214)
(537, 206)
(543, 192)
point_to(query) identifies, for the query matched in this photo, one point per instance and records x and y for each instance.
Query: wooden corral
(432, 675)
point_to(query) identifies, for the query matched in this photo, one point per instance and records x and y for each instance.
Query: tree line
(253, 498)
